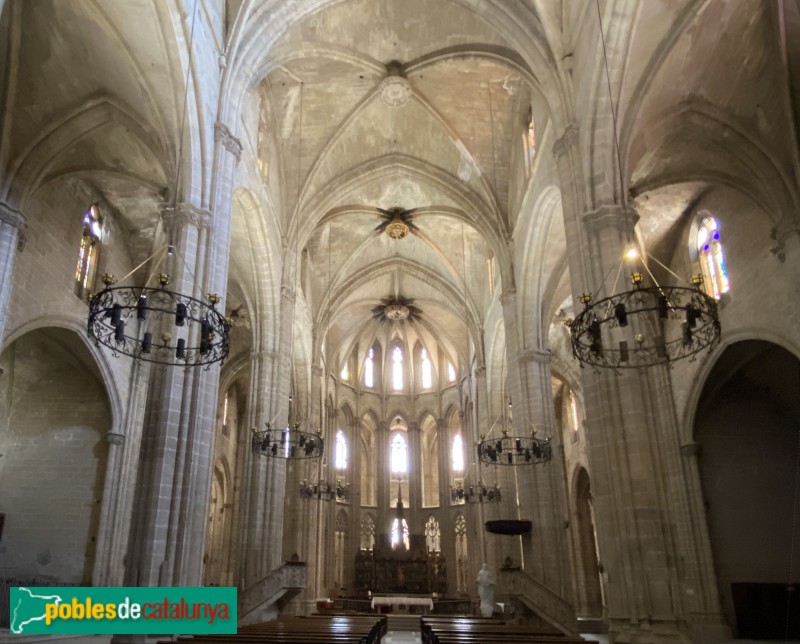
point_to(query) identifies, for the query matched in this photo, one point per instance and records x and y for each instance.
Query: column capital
(316, 370)
(691, 450)
(786, 228)
(413, 426)
(223, 134)
(114, 438)
(566, 140)
(534, 355)
(610, 216)
(508, 296)
(12, 216)
(183, 214)
(288, 293)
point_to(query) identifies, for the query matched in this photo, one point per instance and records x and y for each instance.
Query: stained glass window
(340, 451)
(529, 144)
(458, 454)
(399, 458)
(427, 370)
(397, 368)
(369, 369)
(87, 254)
(712, 258)
(400, 533)
(451, 372)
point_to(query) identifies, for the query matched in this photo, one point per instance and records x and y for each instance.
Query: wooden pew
(458, 630)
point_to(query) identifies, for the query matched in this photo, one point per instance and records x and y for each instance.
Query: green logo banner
(122, 610)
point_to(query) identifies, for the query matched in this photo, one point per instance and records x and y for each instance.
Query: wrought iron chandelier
(645, 326)
(158, 325)
(324, 491)
(287, 443)
(514, 450)
(480, 493)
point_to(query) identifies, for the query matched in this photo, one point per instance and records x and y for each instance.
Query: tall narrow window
(399, 457)
(345, 374)
(433, 535)
(573, 412)
(87, 255)
(451, 372)
(369, 369)
(397, 368)
(400, 534)
(529, 144)
(340, 452)
(458, 454)
(225, 406)
(427, 370)
(712, 259)
(491, 269)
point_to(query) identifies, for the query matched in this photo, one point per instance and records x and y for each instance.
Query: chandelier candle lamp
(288, 443)
(324, 491)
(158, 325)
(514, 450)
(480, 493)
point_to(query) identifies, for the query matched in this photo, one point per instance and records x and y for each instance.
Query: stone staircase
(262, 601)
(539, 599)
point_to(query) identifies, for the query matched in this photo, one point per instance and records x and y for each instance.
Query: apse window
(712, 258)
(340, 451)
(427, 370)
(451, 372)
(397, 368)
(458, 454)
(345, 374)
(369, 369)
(399, 455)
(87, 255)
(400, 534)
(529, 144)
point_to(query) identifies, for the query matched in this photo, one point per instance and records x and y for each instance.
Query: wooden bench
(470, 630)
(351, 629)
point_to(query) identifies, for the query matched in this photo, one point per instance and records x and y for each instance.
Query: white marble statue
(486, 591)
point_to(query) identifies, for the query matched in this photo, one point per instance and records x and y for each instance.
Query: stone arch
(56, 413)
(745, 431)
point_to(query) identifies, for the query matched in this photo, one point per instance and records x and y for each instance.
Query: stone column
(12, 225)
(446, 526)
(178, 427)
(633, 441)
(413, 504)
(104, 573)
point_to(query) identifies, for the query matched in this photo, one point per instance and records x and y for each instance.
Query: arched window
(397, 368)
(345, 374)
(87, 255)
(458, 454)
(451, 372)
(340, 452)
(491, 268)
(433, 535)
(400, 534)
(367, 532)
(399, 458)
(427, 370)
(712, 259)
(529, 144)
(369, 369)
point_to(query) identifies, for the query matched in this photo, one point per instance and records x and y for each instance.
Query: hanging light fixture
(154, 323)
(649, 324)
(324, 491)
(480, 493)
(287, 443)
(509, 449)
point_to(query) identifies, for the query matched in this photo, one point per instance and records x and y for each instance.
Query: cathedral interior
(409, 221)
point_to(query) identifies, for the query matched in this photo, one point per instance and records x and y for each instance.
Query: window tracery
(712, 258)
(88, 252)
(340, 451)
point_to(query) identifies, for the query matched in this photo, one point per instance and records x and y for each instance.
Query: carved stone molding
(183, 214)
(223, 134)
(508, 296)
(115, 439)
(691, 450)
(288, 293)
(394, 91)
(316, 370)
(610, 216)
(534, 355)
(566, 140)
(12, 216)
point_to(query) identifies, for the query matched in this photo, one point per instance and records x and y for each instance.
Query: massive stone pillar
(633, 445)
(12, 223)
(163, 551)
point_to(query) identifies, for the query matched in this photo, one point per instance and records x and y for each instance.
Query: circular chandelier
(158, 325)
(646, 326)
(287, 443)
(475, 493)
(396, 311)
(324, 491)
(514, 450)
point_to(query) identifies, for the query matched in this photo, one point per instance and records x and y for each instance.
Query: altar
(402, 602)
